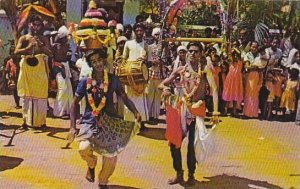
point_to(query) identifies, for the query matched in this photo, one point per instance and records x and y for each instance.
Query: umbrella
(172, 11)
(30, 9)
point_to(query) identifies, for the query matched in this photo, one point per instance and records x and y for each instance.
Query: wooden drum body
(132, 73)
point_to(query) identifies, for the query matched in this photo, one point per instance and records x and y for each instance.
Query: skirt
(110, 135)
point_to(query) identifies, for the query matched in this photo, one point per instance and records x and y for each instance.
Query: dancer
(102, 131)
(195, 76)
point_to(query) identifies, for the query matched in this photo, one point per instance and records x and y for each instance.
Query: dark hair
(217, 30)
(195, 44)
(6, 59)
(211, 49)
(139, 17)
(138, 25)
(217, 57)
(298, 52)
(208, 30)
(275, 38)
(296, 41)
(102, 53)
(261, 49)
(294, 73)
(35, 18)
(127, 26)
(225, 64)
(254, 42)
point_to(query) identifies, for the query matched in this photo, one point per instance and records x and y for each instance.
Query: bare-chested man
(33, 79)
(194, 78)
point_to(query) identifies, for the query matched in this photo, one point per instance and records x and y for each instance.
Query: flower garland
(96, 109)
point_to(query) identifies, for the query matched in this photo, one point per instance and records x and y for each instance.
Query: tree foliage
(201, 14)
(275, 14)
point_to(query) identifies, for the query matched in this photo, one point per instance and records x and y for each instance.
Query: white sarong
(64, 95)
(34, 111)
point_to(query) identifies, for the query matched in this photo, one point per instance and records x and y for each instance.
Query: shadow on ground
(154, 133)
(15, 131)
(7, 162)
(8, 127)
(52, 131)
(225, 182)
(5, 115)
(121, 187)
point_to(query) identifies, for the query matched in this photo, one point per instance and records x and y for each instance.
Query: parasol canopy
(173, 9)
(32, 9)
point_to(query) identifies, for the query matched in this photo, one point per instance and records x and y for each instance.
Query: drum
(132, 73)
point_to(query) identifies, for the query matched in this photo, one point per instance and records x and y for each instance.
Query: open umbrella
(32, 9)
(172, 11)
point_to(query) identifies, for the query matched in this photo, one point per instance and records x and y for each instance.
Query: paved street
(240, 154)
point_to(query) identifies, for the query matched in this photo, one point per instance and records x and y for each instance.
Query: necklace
(96, 109)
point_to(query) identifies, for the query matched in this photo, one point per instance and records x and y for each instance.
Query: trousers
(191, 158)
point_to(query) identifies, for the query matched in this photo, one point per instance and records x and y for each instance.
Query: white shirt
(274, 56)
(85, 69)
(134, 50)
(290, 58)
(260, 61)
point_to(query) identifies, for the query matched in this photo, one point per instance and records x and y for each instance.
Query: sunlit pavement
(240, 154)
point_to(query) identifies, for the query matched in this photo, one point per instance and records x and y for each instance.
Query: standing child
(216, 70)
(288, 99)
(233, 85)
(269, 83)
(222, 77)
(278, 81)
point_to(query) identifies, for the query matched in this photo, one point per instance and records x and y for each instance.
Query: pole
(204, 40)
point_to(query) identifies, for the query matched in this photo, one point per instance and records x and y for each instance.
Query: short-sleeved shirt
(114, 86)
(134, 50)
(274, 56)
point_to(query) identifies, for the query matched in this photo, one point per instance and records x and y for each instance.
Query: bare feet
(90, 175)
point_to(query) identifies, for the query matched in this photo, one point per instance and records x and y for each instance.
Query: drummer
(135, 50)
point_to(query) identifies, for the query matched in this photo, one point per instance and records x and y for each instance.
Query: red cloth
(199, 111)
(173, 120)
(215, 70)
(11, 68)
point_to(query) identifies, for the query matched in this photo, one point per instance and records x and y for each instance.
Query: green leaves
(201, 15)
